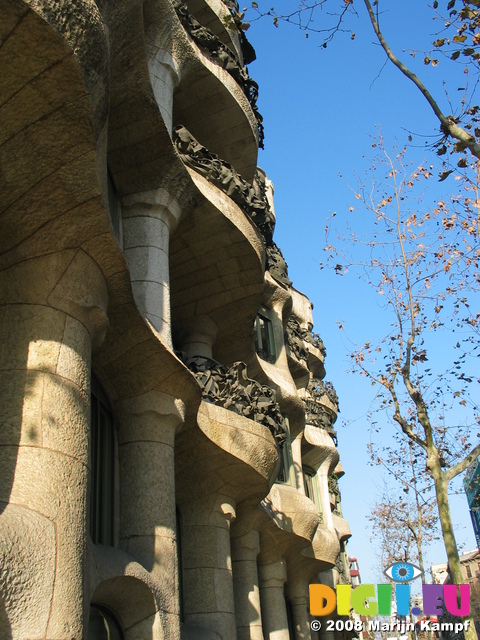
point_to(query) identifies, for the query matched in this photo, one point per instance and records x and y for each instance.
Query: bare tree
(458, 42)
(404, 519)
(424, 262)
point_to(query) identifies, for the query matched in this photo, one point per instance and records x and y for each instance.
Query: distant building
(439, 572)
(470, 566)
(354, 571)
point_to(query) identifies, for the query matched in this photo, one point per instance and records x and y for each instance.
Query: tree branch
(404, 425)
(448, 126)
(463, 464)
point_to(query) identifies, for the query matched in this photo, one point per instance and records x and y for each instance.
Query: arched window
(103, 625)
(103, 468)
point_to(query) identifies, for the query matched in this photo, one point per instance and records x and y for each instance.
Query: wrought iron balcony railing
(231, 388)
(221, 173)
(318, 413)
(223, 56)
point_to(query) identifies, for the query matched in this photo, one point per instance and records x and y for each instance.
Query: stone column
(207, 565)
(148, 220)
(272, 595)
(246, 588)
(298, 594)
(328, 579)
(164, 78)
(197, 336)
(148, 424)
(323, 634)
(53, 310)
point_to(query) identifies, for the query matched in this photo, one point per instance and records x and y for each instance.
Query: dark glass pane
(282, 474)
(102, 462)
(264, 340)
(114, 206)
(308, 483)
(180, 565)
(291, 625)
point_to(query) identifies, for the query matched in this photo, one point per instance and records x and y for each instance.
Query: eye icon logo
(402, 572)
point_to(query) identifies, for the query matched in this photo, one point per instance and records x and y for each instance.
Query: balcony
(232, 389)
(216, 256)
(215, 16)
(216, 98)
(249, 197)
(321, 404)
(305, 349)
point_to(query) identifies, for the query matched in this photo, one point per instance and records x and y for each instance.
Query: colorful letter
(343, 599)
(359, 595)
(432, 599)
(384, 596)
(402, 594)
(322, 599)
(451, 601)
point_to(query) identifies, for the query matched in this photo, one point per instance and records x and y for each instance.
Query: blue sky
(320, 109)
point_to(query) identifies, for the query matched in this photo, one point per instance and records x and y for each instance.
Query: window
(181, 592)
(469, 571)
(103, 468)
(115, 208)
(290, 618)
(103, 625)
(312, 488)
(264, 337)
(286, 475)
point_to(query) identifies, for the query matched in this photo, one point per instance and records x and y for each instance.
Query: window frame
(265, 348)
(115, 208)
(286, 459)
(102, 458)
(312, 488)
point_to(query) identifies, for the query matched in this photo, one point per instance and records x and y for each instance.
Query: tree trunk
(441, 491)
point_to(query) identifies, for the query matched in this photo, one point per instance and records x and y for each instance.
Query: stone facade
(168, 459)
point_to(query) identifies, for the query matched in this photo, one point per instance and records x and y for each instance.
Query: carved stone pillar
(207, 565)
(323, 634)
(197, 336)
(164, 79)
(298, 594)
(148, 220)
(274, 610)
(148, 425)
(53, 310)
(246, 588)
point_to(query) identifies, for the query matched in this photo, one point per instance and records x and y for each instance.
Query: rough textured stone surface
(112, 254)
(27, 565)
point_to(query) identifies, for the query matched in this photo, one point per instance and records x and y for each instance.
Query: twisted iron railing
(232, 389)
